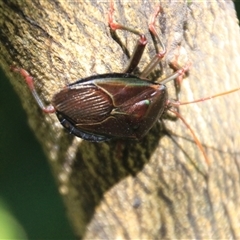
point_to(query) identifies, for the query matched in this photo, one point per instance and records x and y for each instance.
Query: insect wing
(83, 104)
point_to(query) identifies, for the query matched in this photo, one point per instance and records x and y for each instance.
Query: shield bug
(113, 105)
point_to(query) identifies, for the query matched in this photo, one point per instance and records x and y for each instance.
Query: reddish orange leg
(160, 54)
(29, 80)
(178, 74)
(140, 45)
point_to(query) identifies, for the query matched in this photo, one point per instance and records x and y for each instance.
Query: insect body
(110, 106)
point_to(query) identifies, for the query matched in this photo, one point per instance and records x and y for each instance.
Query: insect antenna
(172, 104)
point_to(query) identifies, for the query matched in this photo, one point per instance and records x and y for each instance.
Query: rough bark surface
(160, 187)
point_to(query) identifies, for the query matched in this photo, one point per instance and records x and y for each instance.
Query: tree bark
(160, 187)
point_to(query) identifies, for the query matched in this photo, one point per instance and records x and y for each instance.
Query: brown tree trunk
(160, 187)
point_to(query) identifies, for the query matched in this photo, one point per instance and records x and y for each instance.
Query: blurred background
(30, 205)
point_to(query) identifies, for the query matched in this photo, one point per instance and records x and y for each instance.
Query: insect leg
(140, 45)
(29, 80)
(160, 54)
